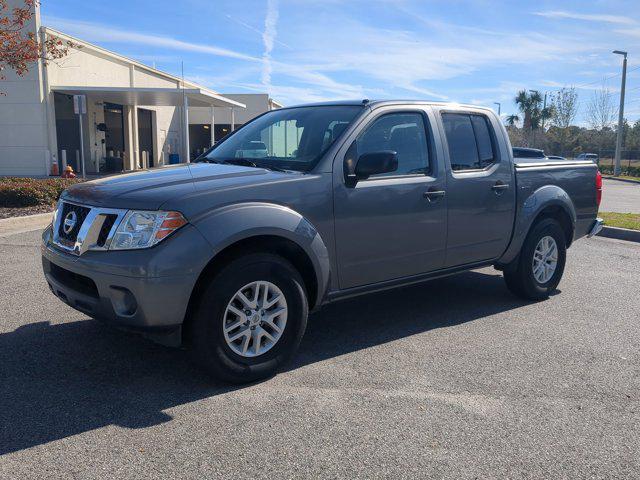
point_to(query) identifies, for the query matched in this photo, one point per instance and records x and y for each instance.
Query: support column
(213, 126)
(131, 137)
(185, 136)
(51, 155)
(135, 154)
(134, 148)
(233, 119)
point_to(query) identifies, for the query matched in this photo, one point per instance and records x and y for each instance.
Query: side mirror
(375, 163)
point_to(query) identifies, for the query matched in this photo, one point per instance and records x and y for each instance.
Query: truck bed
(575, 177)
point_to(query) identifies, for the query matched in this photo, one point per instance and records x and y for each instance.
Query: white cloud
(253, 29)
(268, 37)
(618, 19)
(339, 55)
(401, 61)
(324, 85)
(94, 32)
(632, 32)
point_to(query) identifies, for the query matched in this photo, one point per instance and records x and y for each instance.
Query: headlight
(143, 229)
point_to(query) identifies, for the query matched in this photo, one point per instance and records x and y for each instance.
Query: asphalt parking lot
(450, 379)
(618, 196)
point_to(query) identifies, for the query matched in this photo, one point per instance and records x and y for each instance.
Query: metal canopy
(142, 96)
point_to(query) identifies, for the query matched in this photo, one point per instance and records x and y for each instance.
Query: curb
(15, 225)
(625, 180)
(620, 234)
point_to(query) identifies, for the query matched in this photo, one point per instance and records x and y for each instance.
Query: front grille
(95, 223)
(81, 213)
(74, 281)
(106, 228)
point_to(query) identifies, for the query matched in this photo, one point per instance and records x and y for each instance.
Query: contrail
(268, 37)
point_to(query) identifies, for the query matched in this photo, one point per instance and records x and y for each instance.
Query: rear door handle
(433, 195)
(499, 186)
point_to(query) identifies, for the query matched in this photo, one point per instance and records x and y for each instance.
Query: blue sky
(476, 51)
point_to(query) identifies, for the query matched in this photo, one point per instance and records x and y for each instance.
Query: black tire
(205, 335)
(519, 276)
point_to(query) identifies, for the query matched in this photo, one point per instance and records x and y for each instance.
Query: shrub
(628, 171)
(28, 192)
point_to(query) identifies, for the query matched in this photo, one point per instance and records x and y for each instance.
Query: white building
(200, 118)
(136, 116)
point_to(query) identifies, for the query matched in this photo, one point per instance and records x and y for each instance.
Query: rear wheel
(250, 319)
(538, 269)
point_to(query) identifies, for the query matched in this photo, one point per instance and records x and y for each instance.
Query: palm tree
(528, 103)
(532, 109)
(512, 120)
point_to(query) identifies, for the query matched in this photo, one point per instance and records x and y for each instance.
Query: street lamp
(616, 170)
(497, 103)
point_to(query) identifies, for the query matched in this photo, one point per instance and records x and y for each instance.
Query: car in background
(252, 149)
(522, 152)
(594, 157)
(534, 153)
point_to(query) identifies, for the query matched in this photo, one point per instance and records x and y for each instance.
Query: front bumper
(144, 290)
(596, 227)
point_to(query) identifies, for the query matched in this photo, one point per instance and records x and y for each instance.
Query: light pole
(616, 170)
(497, 103)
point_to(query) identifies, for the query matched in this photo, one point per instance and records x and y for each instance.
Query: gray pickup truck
(308, 205)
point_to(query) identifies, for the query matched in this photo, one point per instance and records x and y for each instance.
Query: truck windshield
(285, 139)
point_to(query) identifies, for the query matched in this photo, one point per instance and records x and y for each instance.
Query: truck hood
(149, 189)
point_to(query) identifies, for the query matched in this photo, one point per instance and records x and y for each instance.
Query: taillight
(598, 187)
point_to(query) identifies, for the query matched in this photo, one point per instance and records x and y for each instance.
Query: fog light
(123, 301)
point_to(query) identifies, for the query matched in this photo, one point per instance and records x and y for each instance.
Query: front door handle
(499, 187)
(432, 194)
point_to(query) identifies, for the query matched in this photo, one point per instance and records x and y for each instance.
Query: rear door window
(470, 141)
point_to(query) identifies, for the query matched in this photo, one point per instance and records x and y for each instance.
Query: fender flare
(230, 224)
(542, 198)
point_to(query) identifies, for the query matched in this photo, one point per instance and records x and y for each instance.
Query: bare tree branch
(601, 110)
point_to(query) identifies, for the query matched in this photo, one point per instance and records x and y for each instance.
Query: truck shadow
(63, 379)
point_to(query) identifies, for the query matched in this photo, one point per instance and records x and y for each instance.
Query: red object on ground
(54, 169)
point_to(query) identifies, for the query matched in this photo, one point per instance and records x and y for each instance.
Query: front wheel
(539, 268)
(250, 319)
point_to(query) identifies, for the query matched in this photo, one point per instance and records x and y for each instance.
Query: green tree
(564, 110)
(533, 111)
(512, 120)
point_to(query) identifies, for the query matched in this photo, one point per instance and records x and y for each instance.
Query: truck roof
(377, 103)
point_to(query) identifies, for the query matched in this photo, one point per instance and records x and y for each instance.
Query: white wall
(88, 67)
(23, 126)
(257, 104)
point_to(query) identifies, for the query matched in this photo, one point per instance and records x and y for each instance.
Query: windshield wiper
(250, 163)
(240, 161)
(272, 167)
(244, 162)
